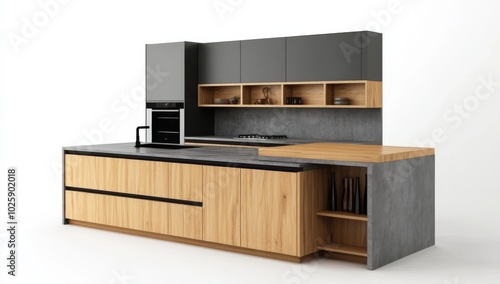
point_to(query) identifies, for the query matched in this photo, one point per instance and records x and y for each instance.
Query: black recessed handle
(137, 138)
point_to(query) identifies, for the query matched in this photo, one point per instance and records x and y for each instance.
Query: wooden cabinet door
(269, 211)
(137, 214)
(221, 205)
(150, 178)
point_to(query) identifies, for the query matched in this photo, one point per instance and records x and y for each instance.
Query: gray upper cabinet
(331, 57)
(219, 62)
(263, 60)
(371, 61)
(165, 72)
(326, 57)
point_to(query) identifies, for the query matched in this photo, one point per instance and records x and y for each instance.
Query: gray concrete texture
(401, 209)
(328, 124)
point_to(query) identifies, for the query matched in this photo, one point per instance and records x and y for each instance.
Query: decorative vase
(333, 193)
(357, 197)
(364, 209)
(351, 195)
(345, 194)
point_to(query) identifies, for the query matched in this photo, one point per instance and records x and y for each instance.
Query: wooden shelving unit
(346, 232)
(349, 233)
(361, 94)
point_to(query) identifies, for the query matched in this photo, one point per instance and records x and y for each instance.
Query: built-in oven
(166, 122)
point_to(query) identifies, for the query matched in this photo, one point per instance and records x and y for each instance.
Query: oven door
(165, 126)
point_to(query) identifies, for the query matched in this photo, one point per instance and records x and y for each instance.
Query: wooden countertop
(346, 152)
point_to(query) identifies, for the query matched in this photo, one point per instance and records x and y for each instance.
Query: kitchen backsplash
(330, 124)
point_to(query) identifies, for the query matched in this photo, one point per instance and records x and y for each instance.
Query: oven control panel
(165, 105)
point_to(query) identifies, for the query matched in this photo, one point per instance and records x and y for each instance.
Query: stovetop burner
(257, 136)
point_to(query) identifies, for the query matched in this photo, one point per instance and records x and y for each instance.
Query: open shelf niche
(346, 232)
(360, 94)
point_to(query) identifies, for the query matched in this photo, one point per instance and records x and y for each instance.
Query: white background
(83, 64)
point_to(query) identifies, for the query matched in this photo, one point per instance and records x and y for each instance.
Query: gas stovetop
(257, 136)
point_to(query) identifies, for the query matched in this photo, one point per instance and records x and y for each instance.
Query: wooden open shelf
(311, 94)
(252, 93)
(340, 248)
(345, 234)
(206, 96)
(342, 215)
(361, 94)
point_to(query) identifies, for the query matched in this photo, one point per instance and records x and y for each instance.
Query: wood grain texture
(373, 94)
(251, 93)
(315, 94)
(143, 215)
(355, 92)
(345, 257)
(313, 197)
(346, 152)
(343, 215)
(269, 211)
(161, 179)
(346, 249)
(311, 94)
(221, 205)
(349, 232)
(207, 94)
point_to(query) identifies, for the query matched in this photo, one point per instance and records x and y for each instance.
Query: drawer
(160, 136)
(137, 214)
(150, 178)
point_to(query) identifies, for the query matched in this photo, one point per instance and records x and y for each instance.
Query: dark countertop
(264, 142)
(217, 156)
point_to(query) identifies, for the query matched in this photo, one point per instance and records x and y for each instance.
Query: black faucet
(137, 138)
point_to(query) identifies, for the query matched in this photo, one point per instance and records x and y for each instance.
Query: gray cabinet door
(219, 62)
(263, 60)
(372, 56)
(165, 72)
(323, 57)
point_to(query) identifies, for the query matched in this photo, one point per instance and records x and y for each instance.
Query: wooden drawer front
(269, 211)
(143, 215)
(161, 179)
(221, 205)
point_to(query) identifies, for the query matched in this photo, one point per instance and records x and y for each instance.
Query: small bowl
(234, 100)
(221, 101)
(341, 101)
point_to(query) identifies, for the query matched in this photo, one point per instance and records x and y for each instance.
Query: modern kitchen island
(271, 201)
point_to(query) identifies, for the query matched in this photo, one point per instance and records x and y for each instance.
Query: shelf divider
(343, 215)
(339, 248)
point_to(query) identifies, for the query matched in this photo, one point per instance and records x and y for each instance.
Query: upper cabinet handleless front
(263, 60)
(165, 72)
(334, 57)
(322, 58)
(219, 62)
